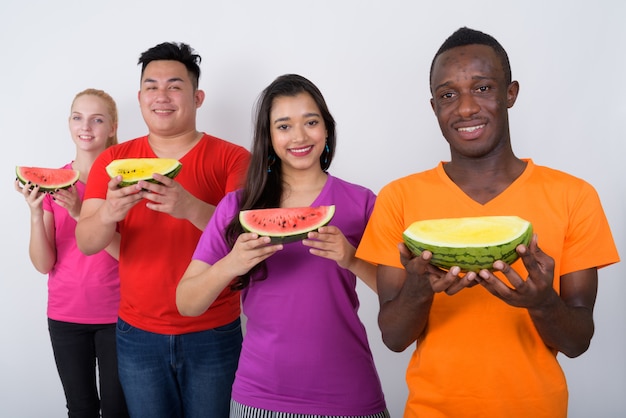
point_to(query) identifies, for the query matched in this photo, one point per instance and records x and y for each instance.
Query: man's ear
(511, 94)
(199, 96)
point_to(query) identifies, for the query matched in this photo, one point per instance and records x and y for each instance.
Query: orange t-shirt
(479, 356)
(156, 248)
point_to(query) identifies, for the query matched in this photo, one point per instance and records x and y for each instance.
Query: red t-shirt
(156, 248)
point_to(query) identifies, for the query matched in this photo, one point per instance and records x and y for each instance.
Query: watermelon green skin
(285, 225)
(48, 179)
(470, 258)
(134, 170)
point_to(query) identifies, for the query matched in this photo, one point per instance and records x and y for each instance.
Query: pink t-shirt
(81, 289)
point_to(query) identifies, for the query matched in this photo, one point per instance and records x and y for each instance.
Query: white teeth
(300, 150)
(470, 128)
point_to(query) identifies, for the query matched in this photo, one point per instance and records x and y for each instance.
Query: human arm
(564, 320)
(41, 245)
(70, 200)
(97, 223)
(171, 197)
(329, 242)
(202, 283)
(406, 296)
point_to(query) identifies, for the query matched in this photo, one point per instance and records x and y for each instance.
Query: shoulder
(561, 179)
(221, 144)
(230, 201)
(227, 208)
(341, 184)
(137, 147)
(413, 182)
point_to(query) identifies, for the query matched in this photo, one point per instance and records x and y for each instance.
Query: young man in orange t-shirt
(486, 342)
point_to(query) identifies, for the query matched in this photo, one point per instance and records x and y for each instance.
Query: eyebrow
(474, 78)
(74, 112)
(170, 80)
(306, 115)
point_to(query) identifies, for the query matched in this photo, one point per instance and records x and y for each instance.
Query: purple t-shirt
(81, 289)
(305, 350)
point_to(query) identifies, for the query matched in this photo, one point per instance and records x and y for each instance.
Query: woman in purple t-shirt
(305, 351)
(83, 291)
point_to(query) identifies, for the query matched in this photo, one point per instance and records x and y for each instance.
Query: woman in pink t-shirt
(83, 291)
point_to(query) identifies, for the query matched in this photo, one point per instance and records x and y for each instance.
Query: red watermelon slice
(284, 225)
(48, 179)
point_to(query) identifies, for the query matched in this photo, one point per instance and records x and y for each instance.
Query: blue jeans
(176, 376)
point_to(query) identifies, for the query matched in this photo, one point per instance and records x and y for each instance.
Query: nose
(467, 105)
(161, 94)
(299, 133)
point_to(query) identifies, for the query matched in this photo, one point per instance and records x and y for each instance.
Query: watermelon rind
(48, 179)
(286, 225)
(473, 256)
(134, 170)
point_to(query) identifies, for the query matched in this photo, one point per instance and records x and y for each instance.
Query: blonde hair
(110, 105)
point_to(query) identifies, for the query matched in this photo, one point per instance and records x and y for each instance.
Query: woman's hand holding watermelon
(33, 197)
(329, 242)
(202, 283)
(68, 199)
(248, 251)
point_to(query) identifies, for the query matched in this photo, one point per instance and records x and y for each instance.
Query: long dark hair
(264, 188)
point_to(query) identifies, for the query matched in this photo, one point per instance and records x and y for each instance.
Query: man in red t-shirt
(170, 365)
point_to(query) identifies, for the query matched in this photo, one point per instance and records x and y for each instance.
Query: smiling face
(471, 100)
(90, 123)
(168, 99)
(298, 132)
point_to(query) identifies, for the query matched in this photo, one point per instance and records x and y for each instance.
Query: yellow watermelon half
(472, 243)
(133, 170)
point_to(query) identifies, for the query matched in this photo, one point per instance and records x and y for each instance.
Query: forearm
(94, 234)
(200, 287)
(364, 271)
(564, 328)
(114, 247)
(199, 213)
(41, 250)
(403, 320)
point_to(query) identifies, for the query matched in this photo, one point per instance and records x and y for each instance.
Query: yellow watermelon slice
(133, 170)
(472, 243)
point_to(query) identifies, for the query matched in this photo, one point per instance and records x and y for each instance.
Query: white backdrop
(371, 60)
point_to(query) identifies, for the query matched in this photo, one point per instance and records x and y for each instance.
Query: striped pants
(238, 410)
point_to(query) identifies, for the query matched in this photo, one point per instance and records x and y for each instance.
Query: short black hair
(466, 36)
(174, 51)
